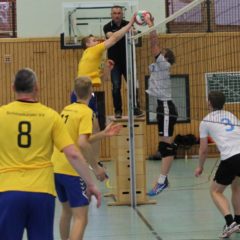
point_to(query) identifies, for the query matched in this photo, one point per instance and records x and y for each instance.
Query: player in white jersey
(224, 129)
(160, 88)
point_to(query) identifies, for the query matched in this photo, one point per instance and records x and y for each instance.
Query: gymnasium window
(180, 96)
(210, 16)
(8, 18)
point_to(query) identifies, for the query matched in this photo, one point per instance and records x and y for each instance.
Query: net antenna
(188, 7)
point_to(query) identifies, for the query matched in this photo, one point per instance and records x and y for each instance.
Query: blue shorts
(71, 189)
(26, 210)
(92, 103)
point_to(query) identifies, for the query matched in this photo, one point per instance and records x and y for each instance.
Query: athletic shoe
(118, 115)
(159, 187)
(228, 230)
(138, 112)
(238, 231)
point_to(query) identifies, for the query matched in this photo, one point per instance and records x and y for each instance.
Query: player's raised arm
(116, 36)
(153, 36)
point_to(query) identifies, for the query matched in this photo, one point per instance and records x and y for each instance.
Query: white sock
(162, 178)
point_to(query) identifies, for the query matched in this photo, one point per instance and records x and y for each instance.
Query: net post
(130, 82)
(135, 83)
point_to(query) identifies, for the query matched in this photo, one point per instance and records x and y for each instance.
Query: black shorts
(167, 117)
(228, 170)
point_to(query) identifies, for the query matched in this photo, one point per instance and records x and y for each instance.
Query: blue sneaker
(159, 187)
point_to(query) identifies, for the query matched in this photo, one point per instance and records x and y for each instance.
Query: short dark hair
(216, 99)
(169, 55)
(82, 87)
(25, 80)
(85, 40)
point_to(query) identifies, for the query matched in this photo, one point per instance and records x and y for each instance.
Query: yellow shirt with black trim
(29, 132)
(90, 63)
(78, 119)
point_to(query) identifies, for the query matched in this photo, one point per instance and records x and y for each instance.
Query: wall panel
(56, 70)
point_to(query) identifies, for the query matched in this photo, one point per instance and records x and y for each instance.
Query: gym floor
(185, 211)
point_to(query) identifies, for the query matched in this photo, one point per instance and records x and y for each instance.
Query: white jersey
(159, 81)
(224, 129)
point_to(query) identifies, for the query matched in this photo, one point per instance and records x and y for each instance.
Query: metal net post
(130, 89)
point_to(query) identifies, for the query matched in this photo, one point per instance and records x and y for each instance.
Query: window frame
(184, 119)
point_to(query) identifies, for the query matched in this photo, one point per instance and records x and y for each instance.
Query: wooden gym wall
(57, 68)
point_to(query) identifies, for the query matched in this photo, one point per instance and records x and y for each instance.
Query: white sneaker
(228, 230)
(238, 231)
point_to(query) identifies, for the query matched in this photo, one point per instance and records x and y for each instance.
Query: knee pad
(167, 149)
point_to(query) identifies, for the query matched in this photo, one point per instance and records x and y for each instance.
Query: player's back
(224, 128)
(78, 120)
(26, 135)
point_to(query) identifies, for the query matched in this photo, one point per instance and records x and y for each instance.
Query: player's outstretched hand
(198, 171)
(132, 20)
(110, 64)
(93, 191)
(149, 20)
(112, 129)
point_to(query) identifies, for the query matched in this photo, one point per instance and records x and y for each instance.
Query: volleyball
(140, 15)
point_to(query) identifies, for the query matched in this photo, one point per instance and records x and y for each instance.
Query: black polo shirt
(118, 51)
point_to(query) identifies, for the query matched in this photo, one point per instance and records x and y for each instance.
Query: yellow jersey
(28, 134)
(90, 63)
(78, 118)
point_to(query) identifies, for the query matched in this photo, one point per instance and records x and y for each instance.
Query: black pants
(166, 117)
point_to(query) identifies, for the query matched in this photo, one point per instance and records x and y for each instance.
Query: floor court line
(148, 224)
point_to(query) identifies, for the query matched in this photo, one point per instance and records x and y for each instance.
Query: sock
(237, 219)
(229, 219)
(162, 178)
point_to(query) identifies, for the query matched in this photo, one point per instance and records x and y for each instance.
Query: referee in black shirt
(117, 53)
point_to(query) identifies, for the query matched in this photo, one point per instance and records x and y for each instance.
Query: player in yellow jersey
(29, 131)
(90, 65)
(70, 187)
(90, 62)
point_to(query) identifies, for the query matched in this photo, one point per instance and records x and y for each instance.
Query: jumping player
(160, 88)
(90, 63)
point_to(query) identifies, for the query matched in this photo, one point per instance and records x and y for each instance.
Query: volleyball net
(204, 37)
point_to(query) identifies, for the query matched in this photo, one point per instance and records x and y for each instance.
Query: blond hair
(85, 41)
(83, 87)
